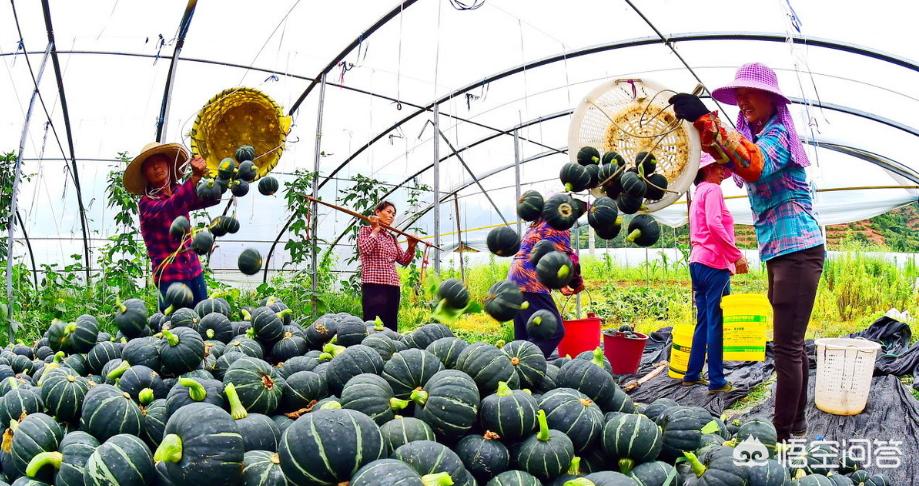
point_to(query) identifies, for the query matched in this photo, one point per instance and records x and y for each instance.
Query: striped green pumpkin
(425, 335)
(290, 345)
(75, 449)
(633, 438)
(402, 430)
(216, 326)
(351, 362)
(263, 468)
(428, 457)
(514, 478)
(447, 350)
(108, 411)
(138, 378)
(449, 403)
(244, 345)
(184, 317)
(385, 472)
(267, 324)
(487, 365)
(528, 361)
(371, 395)
(483, 455)
(36, 434)
(768, 473)
(155, 416)
(573, 413)
(382, 343)
(590, 378)
(201, 444)
(258, 431)
(101, 354)
(63, 391)
(182, 350)
(22, 399)
(257, 383)
(143, 351)
(509, 413)
(547, 453)
(303, 389)
(212, 305)
(122, 460)
(84, 335)
(131, 317)
(350, 331)
(329, 446)
(189, 390)
(654, 473)
(410, 369)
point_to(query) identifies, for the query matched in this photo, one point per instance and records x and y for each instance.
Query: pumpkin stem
(145, 397)
(563, 271)
(378, 324)
(711, 427)
(237, 410)
(70, 328)
(325, 357)
(170, 450)
(568, 187)
(439, 479)
(332, 348)
(397, 404)
(575, 468)
(117, 372)
(58, 357)
(14, 383)
(626, 465)
(168, 310)
(250, 333)
(210, 333)
(697, 467)
(246, 315)
(598, 357)
(284, 313)
(619, 221)
(419, 396)
(333, 405)
(43, 459)
(171, 338)
(543, 434)
(195, 390)
(634, 235)
(504, 390)
(580, 482)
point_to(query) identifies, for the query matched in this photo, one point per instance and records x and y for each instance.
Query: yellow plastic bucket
(747, 326)
(679, 350)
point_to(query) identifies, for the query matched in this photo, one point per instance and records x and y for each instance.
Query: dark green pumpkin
(101, 354)
(449, 403)
(322, 330)
(353, 361)
(402, 430)
(573, 413)
(77, 337)
(604, 218)
(123, 460)
(244, 153)
(488, 366)
(246, 346)
(633, 439)
(131, 317)
(410, 369)
(247, 171)
(299, 363)
(302, 389)
(108, 411)
(36, 434)
(509, 413)
(656, 408)
(814, 480)
(428, 457)
(588, 155)
(188, 391)
(182, 350)
(142, 352)
(542, 324)
(629, 204)
(382, 343)
(767, 473)
(258, 431)
(70, 459)
(155, 414)
(447, 350)
(454, 292)
(574, 177)
(652, 473)
(555, 270)
(716, 467)
(514, 478)
(612, 158)
(249, 261)
(682, 430)
(503, 241)
(633, 184)
(371, 395)
(592, 378)
(350, 330)
(202, 242)
(644, 230)
(329, 446)
(547, 453)
(216, 326)
(528, 361)
(179, 227)
(423, 336)
(214, 304)
(263, 468)
(608, 175)
(503, 300)
(268, 324)
(268, 185)
(483, 455)
(257, 383)
(761, 430)
(541, 249)
(178, 296)
(22, 399)
(646, 163)
(290, 345)
(184, 317)
(560, 212)
(209, 190)
(594, 172)
(530, 205)
(386, 472)
(239, 188)
(202, 443)
(657, 184)
(63, 391)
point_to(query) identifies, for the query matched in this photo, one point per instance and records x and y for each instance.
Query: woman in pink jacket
(714, 258)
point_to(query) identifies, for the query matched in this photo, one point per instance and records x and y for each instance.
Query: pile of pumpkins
(251, 396)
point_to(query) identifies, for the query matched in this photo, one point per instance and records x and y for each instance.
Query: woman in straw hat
(712, 261)
(154, 176)
(766, 153)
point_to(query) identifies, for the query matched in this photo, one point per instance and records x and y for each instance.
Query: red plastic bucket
(580, 335)
(623, 353)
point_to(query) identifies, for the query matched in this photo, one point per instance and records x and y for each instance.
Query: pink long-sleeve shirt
(711, 229)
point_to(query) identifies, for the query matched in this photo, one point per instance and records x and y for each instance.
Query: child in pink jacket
(714, 258)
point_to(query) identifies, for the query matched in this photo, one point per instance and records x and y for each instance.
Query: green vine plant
(299, 245)
(123, 260)
(7, 174)
(362, 197)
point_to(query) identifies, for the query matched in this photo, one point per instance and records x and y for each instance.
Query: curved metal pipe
(184, 24)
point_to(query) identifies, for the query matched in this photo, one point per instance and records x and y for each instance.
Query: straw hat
(754, 75)
(134, 180)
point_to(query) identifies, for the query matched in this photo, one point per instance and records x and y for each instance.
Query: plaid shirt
(378, 254)
(523, 272)
(781, 201)
(156, 216)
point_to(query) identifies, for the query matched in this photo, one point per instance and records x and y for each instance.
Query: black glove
(688, 107)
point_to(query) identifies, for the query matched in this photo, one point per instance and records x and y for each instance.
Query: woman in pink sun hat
(766, 153)
(712, 261)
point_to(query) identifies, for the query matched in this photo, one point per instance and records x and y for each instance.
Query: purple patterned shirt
(156, 216)
(783, 209)
(522, 271)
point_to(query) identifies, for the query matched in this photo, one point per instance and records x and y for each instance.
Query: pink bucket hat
(754, 75)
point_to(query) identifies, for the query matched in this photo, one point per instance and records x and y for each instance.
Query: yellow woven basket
(240, 116)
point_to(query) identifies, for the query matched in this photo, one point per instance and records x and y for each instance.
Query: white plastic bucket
(844, 370)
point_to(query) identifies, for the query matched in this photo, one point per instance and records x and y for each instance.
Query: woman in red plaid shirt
(154, 176)
(379, 251)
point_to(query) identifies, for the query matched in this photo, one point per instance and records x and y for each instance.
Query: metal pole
(459, 233)
(17, 177)
(436, 188)
(184, 24)
(517, 177)
(315, 209)
(476, 179)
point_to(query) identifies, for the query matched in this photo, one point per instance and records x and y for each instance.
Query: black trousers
(793, 280)
(380, 300)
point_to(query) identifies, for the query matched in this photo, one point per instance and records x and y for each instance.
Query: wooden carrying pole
(367, 219)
